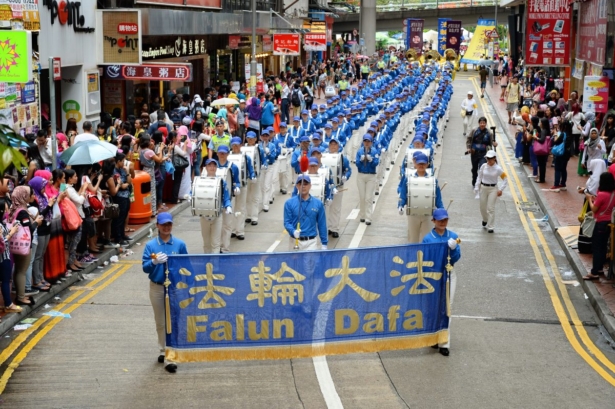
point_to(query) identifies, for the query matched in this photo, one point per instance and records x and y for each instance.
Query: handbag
(20, 242)
(558, 150)
(96, 206)
(71, 220)
(179, 162)
(542, 148)
(463, 113)
(112, 210)
(589, 222)
(56, 213)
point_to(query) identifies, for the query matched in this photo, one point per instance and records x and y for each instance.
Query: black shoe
(484, 224)
(161, 359)
(444, 351)
(283, 191)
(368, 223)
(335, 234)
(248, 220)
(127, 238)
(233, 235)
(377, 193)
(435, 346)
(172, 368)
(254, 223)
(329, 232)
(240, 238)
(362, 220)
(124, 243)
(490, 231)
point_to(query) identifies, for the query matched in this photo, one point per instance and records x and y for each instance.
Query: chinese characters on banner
(151, 72)
(315, 42)
(548, 33)
(414, 38)
(286, 44)
(442, 35)
(595, 94)
(275, 306)
(592, 31)
(453, 35)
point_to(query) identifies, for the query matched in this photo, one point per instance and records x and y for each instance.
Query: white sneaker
(266, 208)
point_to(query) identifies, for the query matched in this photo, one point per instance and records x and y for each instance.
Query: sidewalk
(563, 209)
(140, 237)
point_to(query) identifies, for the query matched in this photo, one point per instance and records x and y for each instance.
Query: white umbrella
(224, 102)
(88, 152)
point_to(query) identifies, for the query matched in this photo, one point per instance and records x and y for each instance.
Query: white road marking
(472, 317)
(273, 246)
(353, 214)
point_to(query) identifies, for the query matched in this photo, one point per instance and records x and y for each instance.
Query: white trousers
(488, 197)
(228, 222)
(366, 183)
(266, 183)
(467, 123)
(240, 206)
(303, 245)
(453, 279)
(281, 175)
(211, 231)
(334, 212)
(253, 197)
(156, 297)
(418, 228)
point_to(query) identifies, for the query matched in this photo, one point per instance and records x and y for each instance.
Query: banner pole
(167, 306)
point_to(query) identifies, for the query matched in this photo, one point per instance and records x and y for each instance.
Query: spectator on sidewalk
(534, 133)
(608, 134)
(483, 80)
(594, 148)
(561, 161)
(576, 116)
(602, 206)
(543, 133)
(513, 97)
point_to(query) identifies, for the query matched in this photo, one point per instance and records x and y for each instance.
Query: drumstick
(449, 204)
(443, 185)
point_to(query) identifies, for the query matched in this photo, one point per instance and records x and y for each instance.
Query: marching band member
(335, 210)
(211, 227)
(440, 234)
(282, 173)
(314, 117)
(317, 142)
(254, 188)
(228, 220)
(240, 198)
(295, 132)
(487, 185)
(267, 170)
(304, 218)
(306, 124)
(418, 226)
(367, 160)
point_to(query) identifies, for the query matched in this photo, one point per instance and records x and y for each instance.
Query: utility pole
(253, 61)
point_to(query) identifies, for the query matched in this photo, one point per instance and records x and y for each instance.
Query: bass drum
(226, 175)
(253, 153)
(421, 195)
(284, 158)
(319, 183)
(206, 198)
(239, 159)
(334, 161)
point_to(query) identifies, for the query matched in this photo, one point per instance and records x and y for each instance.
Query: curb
(594, 296)
(42, 298)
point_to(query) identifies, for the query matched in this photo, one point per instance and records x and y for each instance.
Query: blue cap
(373, 123)
(329, 101)
(323, 106)
(367, 137)
(418, 139)
(381, 116)
(304, 112)
(421, 158)
(251, 134)
(370, 129)
(313, 161)
(328, 126)
(236, 140)
(164, 217)
(208, 161)
(340, 113)
(343, 93)
(304, 139)
(335, 121)
(314, 106)
(222, 149)
(348, 112)
(316, 135)
(283, 125)
(334, 140)
(265, 131)
(440, 214)
(303, 178)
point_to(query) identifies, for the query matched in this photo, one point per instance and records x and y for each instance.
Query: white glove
(335, 191)
(383, 150)
(297, 233)
(362, 158)
(161, 258)
(323, 247)
(281, 145)
(401, 211)
(267, 151)
(344, 179)
(475, 190)
(229, 210)
(327, 202)
(237, 191)
(369, 158)
(452, 244)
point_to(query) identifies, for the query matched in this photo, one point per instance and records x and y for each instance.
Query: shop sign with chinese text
(315, 41)
(547, 40)
(121, 36)
(286, 44)
(151, 72)
(592, 31)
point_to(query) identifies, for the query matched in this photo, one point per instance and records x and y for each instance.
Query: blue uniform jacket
(154, 246)
(268, 159)
(312, 217)
(434, 237)
(367, 166)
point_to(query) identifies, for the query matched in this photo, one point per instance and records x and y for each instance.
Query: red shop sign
(151, 72)
(128, 28)
(233, 42)
(592, 31)
(286, 44)
(315, 42)
(547, 41)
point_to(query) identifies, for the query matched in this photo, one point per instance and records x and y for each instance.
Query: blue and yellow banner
(304, 304)
(442, 24)
(477, 49)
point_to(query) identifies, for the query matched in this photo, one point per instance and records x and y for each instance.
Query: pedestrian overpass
(390, 16)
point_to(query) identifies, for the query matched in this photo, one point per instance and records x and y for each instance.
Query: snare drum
(410, 153)
(319, 182)
(334, 161)
(227, 175)
(421, 195)
(239, 159)
(206, 198)
(253, 153)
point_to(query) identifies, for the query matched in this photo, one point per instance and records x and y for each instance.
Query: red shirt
(604, 208)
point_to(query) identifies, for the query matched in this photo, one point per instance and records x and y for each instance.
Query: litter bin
(141, 208)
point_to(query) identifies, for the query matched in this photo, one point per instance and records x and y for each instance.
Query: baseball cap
(283, 125)
(367, 138)
(265, 132)
(304, 112)
(490, 154)
(440, 214)
(296, 118)
(222, 149)
(251, 134)
(316, 135)
(469, 93)
(236, 140)
(313, 161)
(323, 106)
(304, 139)
(302, 178)
(314, 107)
(164, 217)
(421, 158)
(335, 121)
(328, 126)
(208, 161)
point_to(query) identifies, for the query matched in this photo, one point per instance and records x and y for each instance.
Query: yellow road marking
(555, 300)
(32, 343)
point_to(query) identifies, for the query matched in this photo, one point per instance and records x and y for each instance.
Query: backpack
(294, 98)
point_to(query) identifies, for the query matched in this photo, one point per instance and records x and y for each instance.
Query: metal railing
(403, 5)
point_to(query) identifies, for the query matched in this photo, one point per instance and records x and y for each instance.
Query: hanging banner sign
(16, 61)
(233, 42)
(548, 33)
(304, 304)
(150, 72)
(414, 36)
(595, 94)
(315, 42)
(267, 43)
(286, 44)
(592, 31)
(478, 45)
(453, 35)
(442, 24)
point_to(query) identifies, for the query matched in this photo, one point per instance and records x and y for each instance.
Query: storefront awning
(511, 3)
